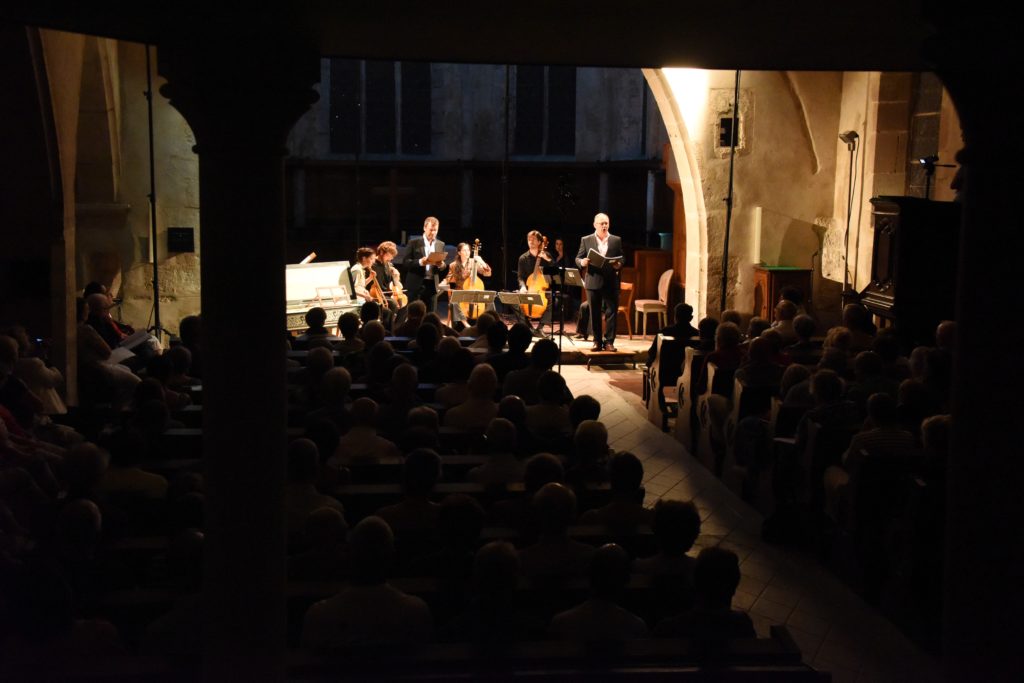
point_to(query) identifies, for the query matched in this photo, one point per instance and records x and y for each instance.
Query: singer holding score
(601, 254)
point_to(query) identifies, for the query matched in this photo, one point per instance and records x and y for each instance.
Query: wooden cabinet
(769, 281)
(913, 266)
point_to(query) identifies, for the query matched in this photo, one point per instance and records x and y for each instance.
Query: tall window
(379, 107)
(545, 111)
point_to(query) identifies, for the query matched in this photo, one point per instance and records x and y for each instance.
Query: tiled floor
(836, 630)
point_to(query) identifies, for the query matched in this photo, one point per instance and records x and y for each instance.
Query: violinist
(362, 274)
(528, 261)
(388, 277)
(459, 271)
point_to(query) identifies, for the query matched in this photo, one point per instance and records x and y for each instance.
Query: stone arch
(695, 245)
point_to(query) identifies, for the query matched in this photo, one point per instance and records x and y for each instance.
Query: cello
(537, 283)
(472, 281)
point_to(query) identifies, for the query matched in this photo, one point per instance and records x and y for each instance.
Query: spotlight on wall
(849, 137)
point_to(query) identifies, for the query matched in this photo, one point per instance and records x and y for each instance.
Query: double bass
(537, 283)
(472, 281)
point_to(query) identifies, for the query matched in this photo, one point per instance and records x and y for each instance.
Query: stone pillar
(241, 101)
(983, 601)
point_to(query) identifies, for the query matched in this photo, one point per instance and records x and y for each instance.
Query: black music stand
(517, 299)
(468, 296)
(565, 277)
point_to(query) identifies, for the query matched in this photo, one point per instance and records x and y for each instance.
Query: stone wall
(177, 190)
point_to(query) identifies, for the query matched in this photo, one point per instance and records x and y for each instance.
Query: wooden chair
(625, 308)
(657, 306)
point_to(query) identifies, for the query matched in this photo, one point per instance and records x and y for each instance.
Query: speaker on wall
(181, 240)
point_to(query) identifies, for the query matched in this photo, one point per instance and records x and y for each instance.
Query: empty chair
(657, 306)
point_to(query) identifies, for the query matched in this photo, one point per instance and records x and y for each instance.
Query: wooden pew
(664, 372)
(686, 396)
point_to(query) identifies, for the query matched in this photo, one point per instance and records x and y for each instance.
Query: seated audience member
(455, 378)
(380, 362)
(424, 351)
(497, 337)
(180, 359)
(519, 338)
(583, 407)
(523, 383)
(416, 512)
(180, 631)
(459, 523)
(326, 556)
(800, 393)
(779, 356)
(362, 445)
(513, 409)
(369, 610)
(803, 350)
(315, 319)
(839, 338)
(44, 382)
(887, 346)
(42, 631)
(159, 368)
(479, 330)
(857, 319)
(945, 336)
(785, 315)
(477, 411)
(706, 330)
(760, 368)
(400, 398)
(915, 403)
(555, 554)
(334, 389)
(830, 409)
(755, 327)
(14, 393)
(549, 419)
(589, 462)
(503, 465)
(84, 467)
(348, 328)
(435, 320)
(794, 374)
(112, 332)
(301, 495)
(676, 527)
(124, 477)
(417, 310)
(600, 617)
(869, 378)
(494, 615)
(882, 435)
(727, 356)
(716, 575)
(422, 430)
(626, 509)
(730, 315)
(309, 392)
(369, 311)
(935, 438)
(519, 512)
(681, 329)
(794, 295)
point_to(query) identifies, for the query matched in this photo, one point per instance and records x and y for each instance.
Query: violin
(373, 288)
(473, 311)
(537, 283)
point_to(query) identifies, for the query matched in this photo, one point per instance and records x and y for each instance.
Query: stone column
(983, 600)
(241, 101)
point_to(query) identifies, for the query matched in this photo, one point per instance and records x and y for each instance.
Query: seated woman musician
(459, 271)
(388, 277)
(365, 286)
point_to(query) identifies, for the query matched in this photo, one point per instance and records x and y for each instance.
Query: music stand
(468, 296)
(564, 277)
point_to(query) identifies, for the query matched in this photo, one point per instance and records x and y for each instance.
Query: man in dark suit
(421, 279)
(602, 284)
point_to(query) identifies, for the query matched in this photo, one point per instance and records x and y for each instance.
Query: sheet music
(599, 261)
(119, 355)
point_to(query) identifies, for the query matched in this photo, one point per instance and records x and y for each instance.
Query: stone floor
(836, 630)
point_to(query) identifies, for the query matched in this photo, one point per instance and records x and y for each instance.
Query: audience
(716, 575)
(600, 617)
(477, 411)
